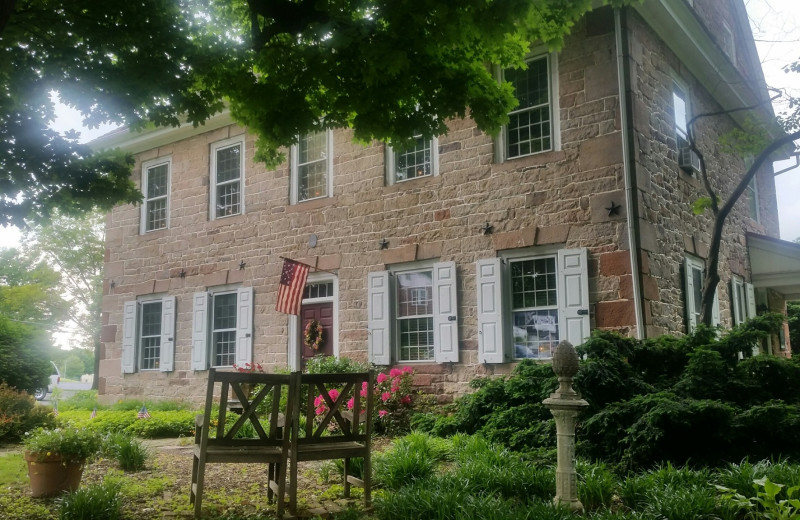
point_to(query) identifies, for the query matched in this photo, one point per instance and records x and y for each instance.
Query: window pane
(535, 333)
(416, 339)
(414, 161)
(228, 199)
(313, 179)
(679, 105)
(533, 283)
(225, 311)
(529, 126)
(156, 214)
(224, 348)
(150, 335)
(228, 163)
(157, 181)
(312, 166)
(697, 280)
(415, 294)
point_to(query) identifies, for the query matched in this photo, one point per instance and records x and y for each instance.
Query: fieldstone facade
(573, 197)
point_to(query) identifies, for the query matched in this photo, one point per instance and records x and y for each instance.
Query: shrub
(403, 463)
(394, 400)
(128, 451)
(71, 443)
(100, 501)
(171, 423)
(322, 364)
(596, 485)
(19, 414)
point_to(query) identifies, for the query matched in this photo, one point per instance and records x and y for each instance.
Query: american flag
(143, 413)
(290, 291)
(94, 413)
(55, 408)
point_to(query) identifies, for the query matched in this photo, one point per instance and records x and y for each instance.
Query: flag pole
(309, 265)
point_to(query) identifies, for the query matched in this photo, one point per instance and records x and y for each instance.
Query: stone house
(468, 251)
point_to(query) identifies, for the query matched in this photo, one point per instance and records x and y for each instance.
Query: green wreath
(313, 335)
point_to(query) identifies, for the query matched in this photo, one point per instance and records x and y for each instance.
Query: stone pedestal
(565, 404)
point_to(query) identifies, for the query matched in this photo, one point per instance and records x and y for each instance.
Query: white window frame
(132, 350)
(753, 204)
(495, 300)
(146, 167)
(216, 147)
(203, 354)
(294, 176)
(383, 327)
(501, 141)
(690, 265)
(391, 162)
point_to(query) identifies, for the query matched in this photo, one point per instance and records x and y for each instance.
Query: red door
(323, 313)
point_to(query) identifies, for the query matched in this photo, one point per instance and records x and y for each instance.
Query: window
(155, 187)
(728, 42)
(419, 160)
(752, 200)
(681, 113)
(227, 176)
(222, 327)
(743, 300)
(530, 128)
(413, 314)
(694, 277)
(312, 164)
(318, 290)
(148, 331)
(528, 302)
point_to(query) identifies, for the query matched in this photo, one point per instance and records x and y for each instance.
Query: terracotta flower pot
(50, 475)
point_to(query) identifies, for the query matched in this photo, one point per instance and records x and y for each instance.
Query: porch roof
(775, 264)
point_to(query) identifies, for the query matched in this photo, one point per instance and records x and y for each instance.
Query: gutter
(629, 163)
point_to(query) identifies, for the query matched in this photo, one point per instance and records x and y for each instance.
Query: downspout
(629, 163)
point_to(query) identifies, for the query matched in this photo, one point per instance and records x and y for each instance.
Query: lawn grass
(13, 471)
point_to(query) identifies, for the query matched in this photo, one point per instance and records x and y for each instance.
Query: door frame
(294, 348)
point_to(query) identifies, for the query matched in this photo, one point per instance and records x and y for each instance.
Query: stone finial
(565, 360)
(565, 366)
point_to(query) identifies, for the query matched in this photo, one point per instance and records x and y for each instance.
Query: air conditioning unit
(688, 160)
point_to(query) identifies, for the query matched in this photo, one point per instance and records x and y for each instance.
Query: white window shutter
(445, 312)
(750, 295)
(736, 312)
(573, 295)
(688, 280)
(715, 310)
(200, 319)
(491, 332)
(167, 362)
(379, 319)
(244, 325)
(129, 337)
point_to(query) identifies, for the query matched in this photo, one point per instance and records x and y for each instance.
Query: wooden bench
(340, 432)
(271, 446)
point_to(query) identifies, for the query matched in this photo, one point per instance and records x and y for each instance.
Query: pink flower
(364, 389)
(406, 399)
(381, 377)
(408, 370)
(334, 393)
(318, 400)
(351, 403)
(320, 410)
(385, 396)
(395, 372)
(383, 413)
(395, 386)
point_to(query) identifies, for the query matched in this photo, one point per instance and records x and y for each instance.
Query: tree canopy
(387, 69)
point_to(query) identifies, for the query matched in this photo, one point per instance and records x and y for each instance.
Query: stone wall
(670, 229)
(560, 197)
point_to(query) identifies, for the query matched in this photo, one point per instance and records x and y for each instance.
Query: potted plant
(56, 458)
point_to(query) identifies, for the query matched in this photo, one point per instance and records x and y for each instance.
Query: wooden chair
(340, 432)
(270, 447)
